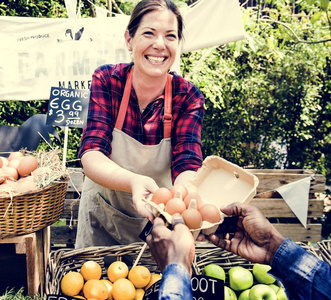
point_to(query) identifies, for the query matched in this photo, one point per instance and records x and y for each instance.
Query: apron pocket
(123, 228)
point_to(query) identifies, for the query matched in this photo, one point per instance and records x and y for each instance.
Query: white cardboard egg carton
(220, 182)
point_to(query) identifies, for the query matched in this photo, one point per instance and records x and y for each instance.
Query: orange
(139, 294)
(154, 278)
(95, 288)
(139, 276)
(72, 283)
(109, 286)
(123, 289)
(91, 270)
(117, 270)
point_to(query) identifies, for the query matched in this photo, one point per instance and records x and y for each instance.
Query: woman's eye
(172, 36)
(148, 33)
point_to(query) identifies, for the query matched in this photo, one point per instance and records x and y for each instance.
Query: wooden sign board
(68, 107)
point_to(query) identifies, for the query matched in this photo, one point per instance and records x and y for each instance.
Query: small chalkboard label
(207, 288)
(68, 107)
(203, 288)
(59, 297)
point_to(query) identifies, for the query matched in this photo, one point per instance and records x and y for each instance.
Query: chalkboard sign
(59, 297)
(68, 107)
(203, 288)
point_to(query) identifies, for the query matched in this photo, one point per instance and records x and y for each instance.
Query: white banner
(40, 53)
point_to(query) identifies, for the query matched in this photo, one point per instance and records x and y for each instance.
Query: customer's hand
(172, 246)
(143, 187)
(252, 236)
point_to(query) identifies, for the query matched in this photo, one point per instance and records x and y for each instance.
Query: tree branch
(117, 7)
(268, 19)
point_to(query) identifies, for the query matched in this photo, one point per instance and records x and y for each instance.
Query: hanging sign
(68, 107)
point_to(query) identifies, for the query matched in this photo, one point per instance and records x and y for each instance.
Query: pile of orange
(120, 283)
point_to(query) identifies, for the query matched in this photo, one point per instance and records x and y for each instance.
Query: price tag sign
(68, 107)
(59, 297)
(203, 288)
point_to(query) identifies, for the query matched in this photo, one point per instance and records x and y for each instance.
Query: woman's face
(155, 43)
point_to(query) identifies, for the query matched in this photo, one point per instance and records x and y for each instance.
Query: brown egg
(14, 163)
(27, 165)
(175, 205)
(192, 218)
(15, 155)
(210, 213)
(10, 173)
(2, 176)
(178, 189)
(161, 195)
(4, 161)
(193, 195)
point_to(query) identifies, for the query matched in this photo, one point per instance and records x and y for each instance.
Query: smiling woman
(143, 130)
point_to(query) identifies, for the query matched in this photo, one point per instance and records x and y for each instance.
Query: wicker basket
(32, 211)
(325, 248)
(63, 261)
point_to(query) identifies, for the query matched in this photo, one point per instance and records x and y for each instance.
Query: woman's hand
(141, 188)
(107, 173)
(252, 236)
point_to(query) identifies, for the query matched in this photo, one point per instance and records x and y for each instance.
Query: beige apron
(107, 217)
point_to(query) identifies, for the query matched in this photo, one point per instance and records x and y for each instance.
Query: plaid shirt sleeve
(105, 96)
(188, 112)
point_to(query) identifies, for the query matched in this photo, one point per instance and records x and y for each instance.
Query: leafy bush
(269, 92)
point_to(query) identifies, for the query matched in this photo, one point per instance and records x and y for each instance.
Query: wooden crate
(270, 203)
(24, 262)
(279, 213)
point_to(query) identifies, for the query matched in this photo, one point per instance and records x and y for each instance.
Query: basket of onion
(33, 187)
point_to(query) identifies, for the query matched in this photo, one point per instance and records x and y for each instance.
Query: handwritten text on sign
(68, 107)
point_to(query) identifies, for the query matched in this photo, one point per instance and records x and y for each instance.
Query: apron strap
(125, 102)
(167, 118)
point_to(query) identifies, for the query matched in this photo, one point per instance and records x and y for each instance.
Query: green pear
(240, 278)
(229, 294)
(281, 294)
(274, 287)
(260, 272)
(215, 271)
(244, 295)
(262, 292)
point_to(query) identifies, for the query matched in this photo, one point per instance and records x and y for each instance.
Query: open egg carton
(219, 182)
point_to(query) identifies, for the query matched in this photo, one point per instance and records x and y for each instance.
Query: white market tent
(40, 53)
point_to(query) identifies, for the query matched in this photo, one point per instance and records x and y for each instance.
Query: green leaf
(324, 5)
(315, 17)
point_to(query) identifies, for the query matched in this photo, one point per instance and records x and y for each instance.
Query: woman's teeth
(155, 59)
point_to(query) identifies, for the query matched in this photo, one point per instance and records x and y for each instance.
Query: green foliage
(16, 112)
(272, 86)
(35, 8)
(13, 294)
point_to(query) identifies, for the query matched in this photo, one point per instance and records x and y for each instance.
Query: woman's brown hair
(145, 6)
